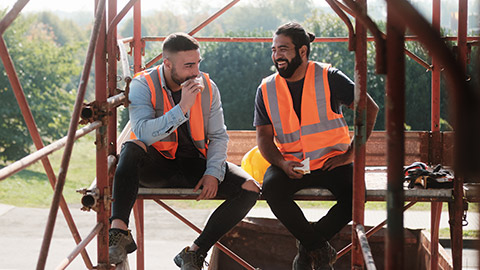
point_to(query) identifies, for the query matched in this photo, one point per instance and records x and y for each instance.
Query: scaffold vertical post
(101, 147)
(456, 225)
(436, 207)
(395, 118)
(137, 37)
(360, 136)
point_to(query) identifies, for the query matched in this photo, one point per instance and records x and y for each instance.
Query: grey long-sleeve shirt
(150, 129)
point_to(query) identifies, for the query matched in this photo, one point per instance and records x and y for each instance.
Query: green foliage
(237, 69)
(44, 69)
(31, 187)
(63, 31)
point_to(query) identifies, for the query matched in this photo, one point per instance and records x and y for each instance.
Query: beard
(177, 79)
(291, 65)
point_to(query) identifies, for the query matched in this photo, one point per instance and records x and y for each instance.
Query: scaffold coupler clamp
(89, 199)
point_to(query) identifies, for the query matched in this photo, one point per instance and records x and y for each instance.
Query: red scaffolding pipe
(37, 140)
(80, 247)
(472, 39)
(219, 245)
(198, 28)
(45, 151)
(436, 207)
(351, 32)
(138, 44)
(11, 15)
(69, 146)
(138, 47)
(360, 137)
(102, 142)
(395, 118)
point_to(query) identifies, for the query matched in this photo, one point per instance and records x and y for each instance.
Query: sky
(88, 5)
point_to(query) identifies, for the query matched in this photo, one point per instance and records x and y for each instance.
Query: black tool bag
(420, 175)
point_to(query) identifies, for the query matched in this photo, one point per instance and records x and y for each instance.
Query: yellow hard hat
(255, 164)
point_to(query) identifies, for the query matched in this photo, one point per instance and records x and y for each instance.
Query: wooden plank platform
(376, 185)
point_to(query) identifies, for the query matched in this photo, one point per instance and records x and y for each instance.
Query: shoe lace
(114, 238)
(199, 260)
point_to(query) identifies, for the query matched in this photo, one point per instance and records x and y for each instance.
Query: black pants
(150, 169)
(278, 189)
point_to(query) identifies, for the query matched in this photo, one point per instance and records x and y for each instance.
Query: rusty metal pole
(37, 140)
(199, 27)
(360, 136)
(112, 53)
(101, 146)
(137, 37)
(462, 32)
(12, 15)
(456, 226)
(138, 47)
(47, 237)
(436, 207)
(436, 71)
(395, 117)
(138, 212)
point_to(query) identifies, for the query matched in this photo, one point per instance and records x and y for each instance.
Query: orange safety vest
(162, 103)
(321, 134)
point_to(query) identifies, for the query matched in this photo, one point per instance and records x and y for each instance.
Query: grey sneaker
(324, 258)
(189, 260)
(303, 260)
(119, 245)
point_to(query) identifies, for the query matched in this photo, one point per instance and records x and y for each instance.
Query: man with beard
(178, 140)
(298, 118)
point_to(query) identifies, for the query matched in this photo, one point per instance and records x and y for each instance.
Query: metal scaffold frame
(390, 60)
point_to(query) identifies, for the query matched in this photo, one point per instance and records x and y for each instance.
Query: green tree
(260, 15)
(237, 69)
(64, 31)
(44, 69)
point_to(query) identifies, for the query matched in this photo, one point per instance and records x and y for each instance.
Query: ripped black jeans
(278, 190)
(150, 169)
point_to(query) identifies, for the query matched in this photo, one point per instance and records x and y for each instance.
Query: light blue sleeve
(218, 138)
(148, 128)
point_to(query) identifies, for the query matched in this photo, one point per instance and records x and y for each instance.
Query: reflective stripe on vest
(321, 134)
(199, 113)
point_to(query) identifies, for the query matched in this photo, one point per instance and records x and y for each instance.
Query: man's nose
(196, 71)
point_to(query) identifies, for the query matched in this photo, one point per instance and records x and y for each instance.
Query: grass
(467, 234)
(31, 187)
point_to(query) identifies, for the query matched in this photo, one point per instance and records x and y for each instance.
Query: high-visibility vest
(162, 103)
(322, 132)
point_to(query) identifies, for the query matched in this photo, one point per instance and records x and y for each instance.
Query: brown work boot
(120, 243)
(323, 258)
(189, 260)
(303, 260)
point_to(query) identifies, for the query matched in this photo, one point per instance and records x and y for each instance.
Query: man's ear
(167, 63)
(303, 51)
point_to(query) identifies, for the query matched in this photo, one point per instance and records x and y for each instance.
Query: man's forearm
(270, 151)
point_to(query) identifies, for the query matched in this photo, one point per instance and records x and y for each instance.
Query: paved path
(22, 230)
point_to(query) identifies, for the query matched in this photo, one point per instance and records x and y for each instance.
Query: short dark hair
(178, 42)
(298, 35)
